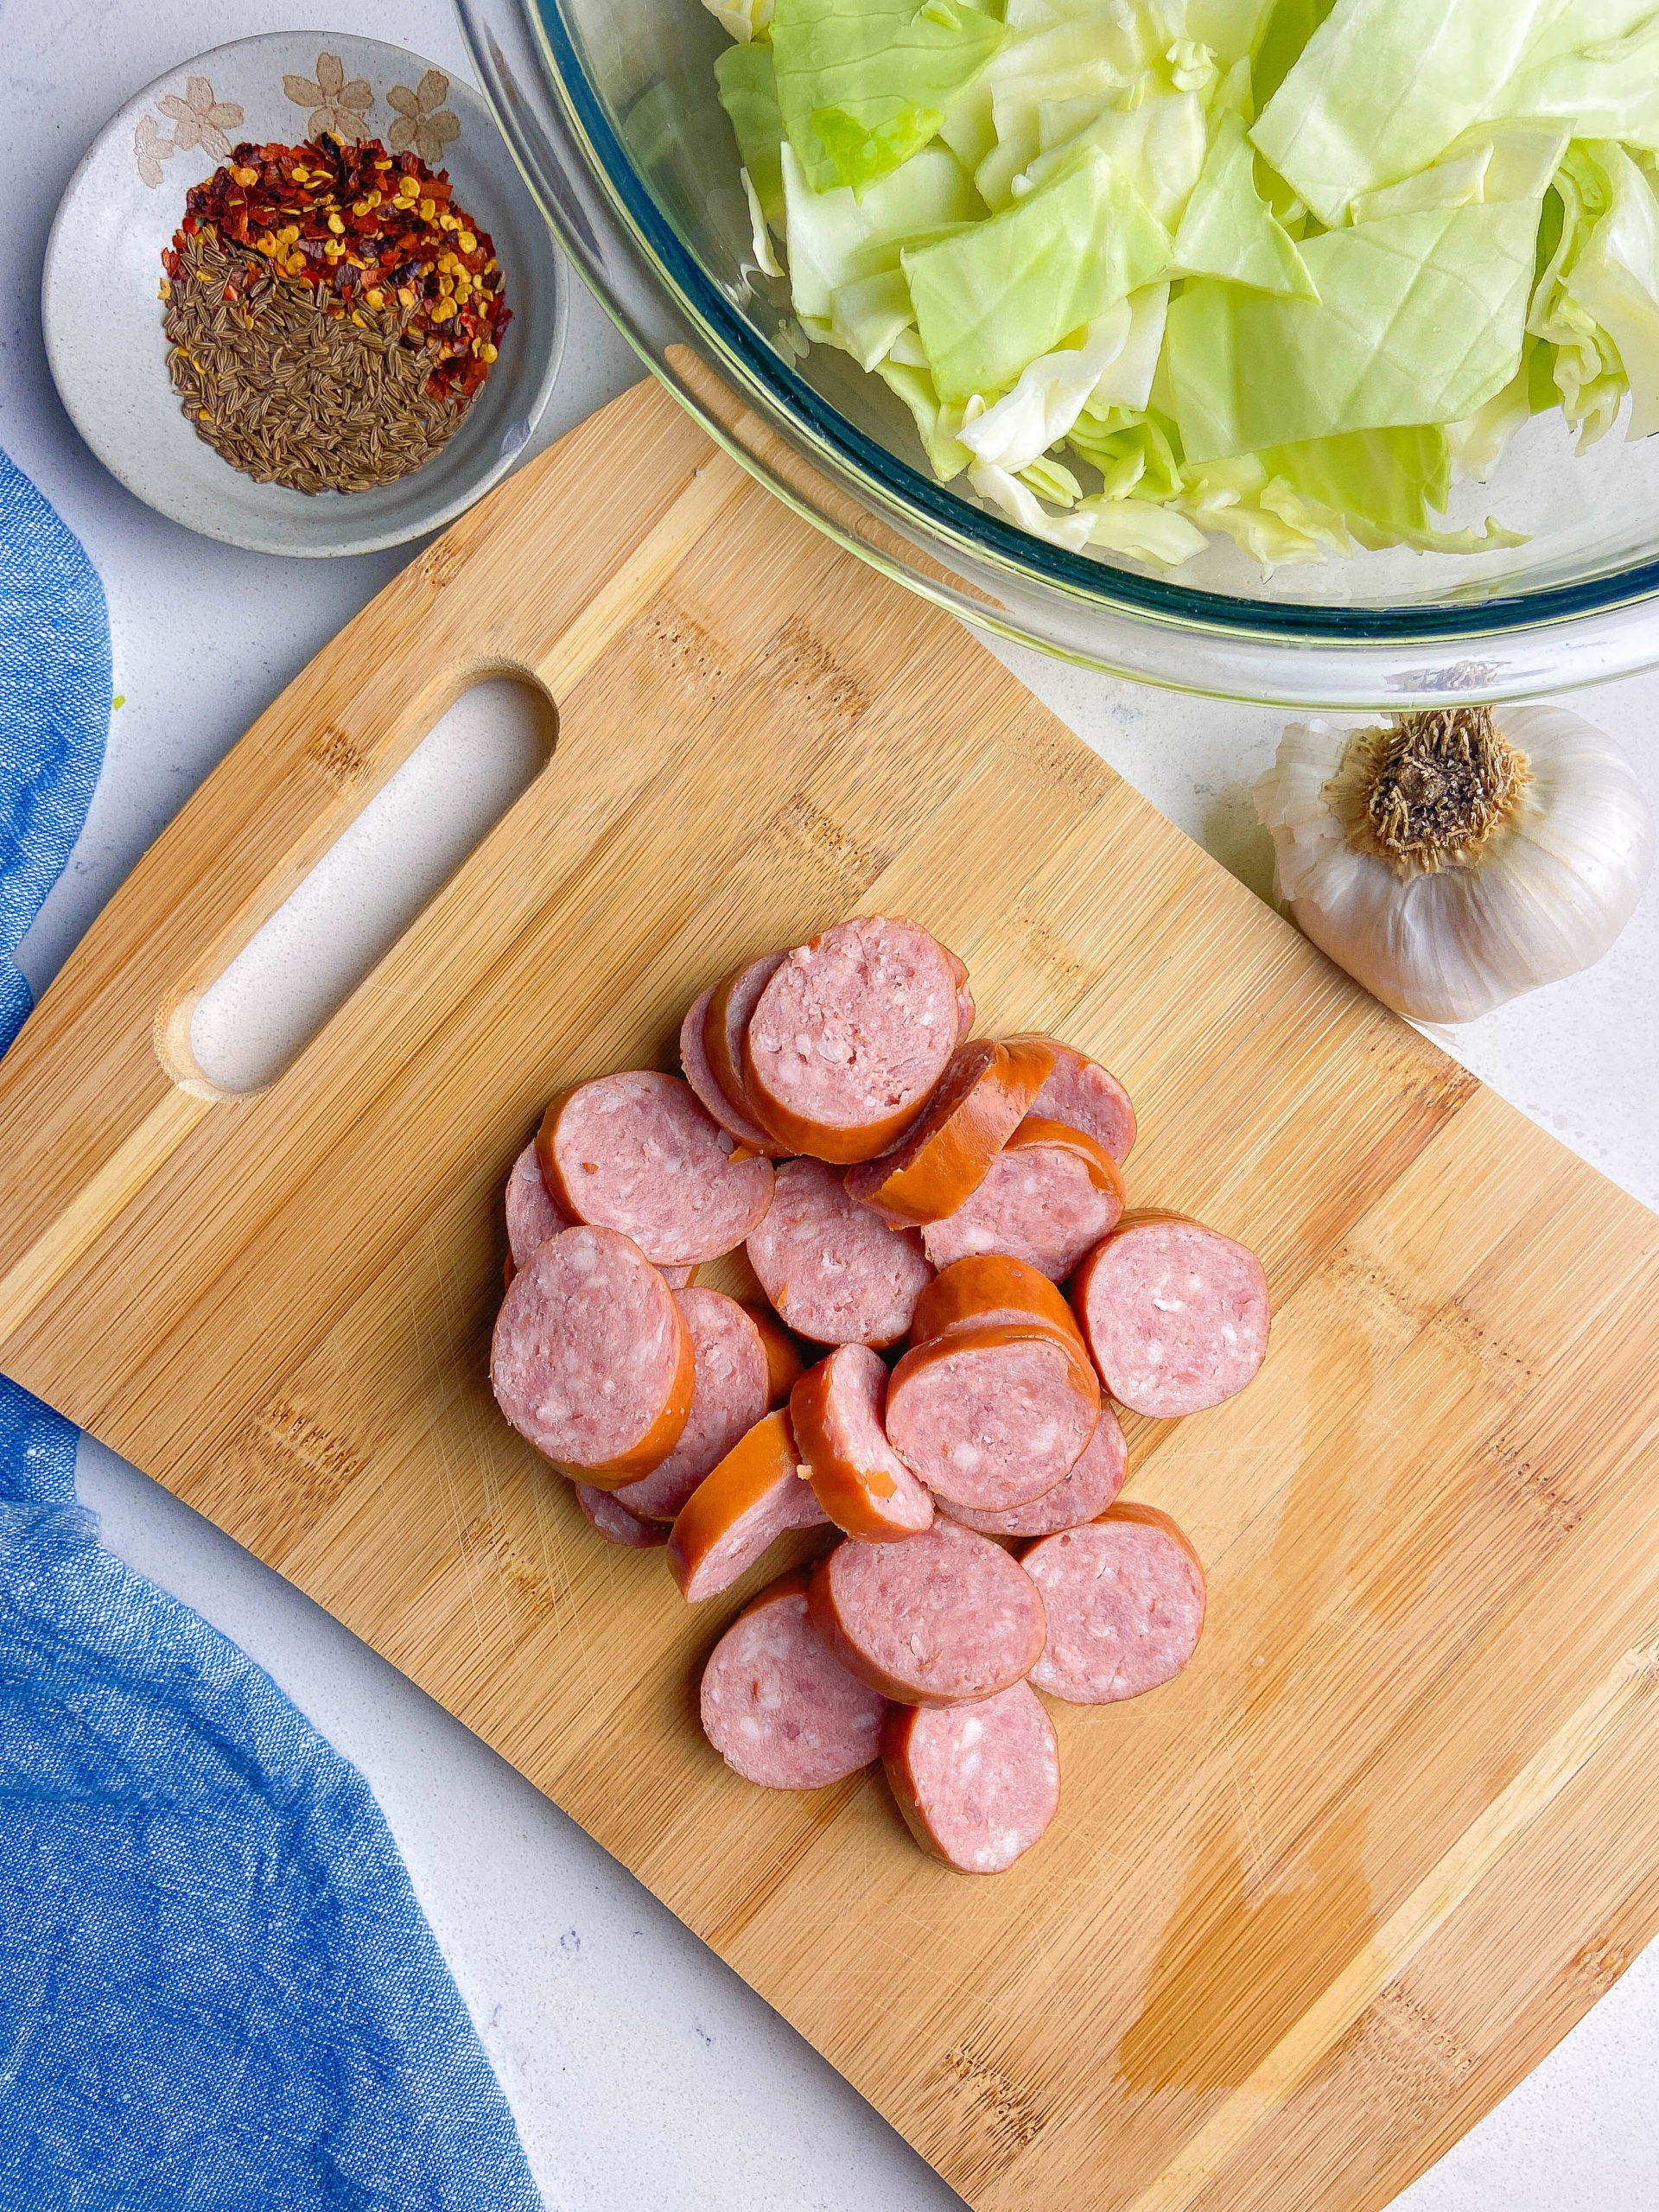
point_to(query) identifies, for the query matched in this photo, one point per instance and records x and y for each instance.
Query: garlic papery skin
(1541, 897)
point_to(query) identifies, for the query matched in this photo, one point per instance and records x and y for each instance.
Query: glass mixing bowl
(610, 107)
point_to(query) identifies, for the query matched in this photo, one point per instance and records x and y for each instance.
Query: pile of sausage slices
(908, 1197)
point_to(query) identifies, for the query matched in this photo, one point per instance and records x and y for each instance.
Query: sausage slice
(739, 1508)
(834, 1270)
(532, 1215)
(1050, 1195)
(977, 1784)
(1084, 1096)
(777, 1706)
(992, 1417)
(695, 1067)
(725, 1022)
(850, 1038)
(615, 1522)
(860, 1481)
(591, 1360)
(637, 1152)
(730, 1394)
(1175, 1315)
(784, 1361)
(991, 1290)
(1092, 1486)
(1125, 1601)
(943, 1617)
(986, 1093)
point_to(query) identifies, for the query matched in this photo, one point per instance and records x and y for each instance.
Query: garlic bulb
(1449, 865)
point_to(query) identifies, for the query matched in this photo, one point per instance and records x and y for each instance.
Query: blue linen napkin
(218, 1993)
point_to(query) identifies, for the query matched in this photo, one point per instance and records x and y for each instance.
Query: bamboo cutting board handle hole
(233, 1036)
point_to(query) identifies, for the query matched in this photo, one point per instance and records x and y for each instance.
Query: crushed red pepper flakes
(354, 220)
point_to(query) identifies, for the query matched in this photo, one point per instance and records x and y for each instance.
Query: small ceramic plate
(102, 315)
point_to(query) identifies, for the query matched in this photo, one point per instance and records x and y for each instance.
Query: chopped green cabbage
(1277, 271)
(1005, 290)
(1611, 281)
(1419, 319)
(1384, 86)
(1232, 29)
(837, 240)
(748, 92)
(863, 84)
(1229, 231)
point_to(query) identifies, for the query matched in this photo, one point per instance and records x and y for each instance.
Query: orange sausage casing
(758, 1482)
(989, 1336)
(1104, 1171)
(984, 1095)
(784, 1361)
(991, 1290)
(859, 1479)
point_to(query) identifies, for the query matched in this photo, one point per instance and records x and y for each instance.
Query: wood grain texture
(1308, 1911)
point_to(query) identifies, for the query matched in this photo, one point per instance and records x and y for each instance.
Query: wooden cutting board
(1306, 1912)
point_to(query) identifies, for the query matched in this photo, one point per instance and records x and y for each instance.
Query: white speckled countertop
(641, 2071)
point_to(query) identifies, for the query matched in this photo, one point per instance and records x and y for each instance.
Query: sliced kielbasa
(834, 1269)
(591, 1360)
(850, 1038)
(987, 1091)
(777, 1706)
(992, 1417)
(699, 1073)
(615, 1521)
(532, 1215)
(990, 1290)
(860, 1481)
(1092, 1486)
(1084, 1096)
(1125, 1602)
(784, 1361)
(740, 1507)
(730, 1394)
(1050, 1195)
(977, 1784)
(725, 1023)
(637, 1152)
(940, 1618)
(1175, 1315)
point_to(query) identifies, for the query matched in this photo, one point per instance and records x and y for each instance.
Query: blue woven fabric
(217, 1991)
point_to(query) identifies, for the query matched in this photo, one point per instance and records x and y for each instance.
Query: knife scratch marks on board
(684, 648)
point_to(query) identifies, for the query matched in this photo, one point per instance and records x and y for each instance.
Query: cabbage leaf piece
(1420, 319)
(997, 295)
(1020, 427)
(838, 243)
(862, 85)
(1159, 146)
(1232, 29)
(1383, 87)
(1229, 231)
(1614, 279)
(1058, 69)
(1392, 480)
(748, 91)
(915, 387)
(1290, 26)
(1494, 161)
